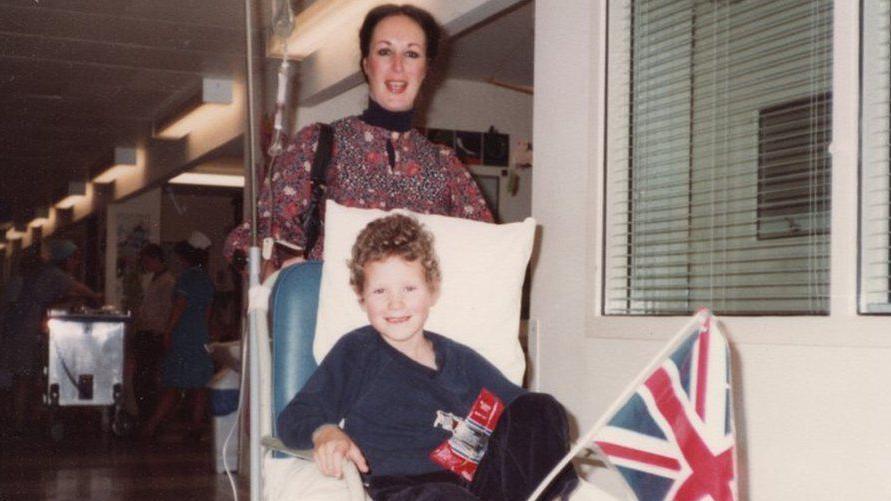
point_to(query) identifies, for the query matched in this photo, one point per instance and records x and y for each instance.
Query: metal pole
(252, 121)
(254, 318)
(253, 262)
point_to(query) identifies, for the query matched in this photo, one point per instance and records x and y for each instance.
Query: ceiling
(499, 49)
(79, 77)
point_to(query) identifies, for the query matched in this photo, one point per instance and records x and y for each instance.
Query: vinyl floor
(89, 464)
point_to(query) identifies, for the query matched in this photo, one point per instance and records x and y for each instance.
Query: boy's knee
(536, 408)
(536, 401)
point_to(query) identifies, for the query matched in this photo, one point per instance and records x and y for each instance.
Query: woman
(24, 344)
(149, 326)
(378, 160)
(187, 366)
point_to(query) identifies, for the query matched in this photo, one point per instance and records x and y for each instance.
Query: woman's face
(396, 63)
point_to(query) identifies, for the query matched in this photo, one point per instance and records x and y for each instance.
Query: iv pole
(258, 340)
(253, 261)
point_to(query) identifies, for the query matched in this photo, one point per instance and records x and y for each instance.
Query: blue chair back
(293, 305)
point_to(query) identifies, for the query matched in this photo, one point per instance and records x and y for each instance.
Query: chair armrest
(275, 444)
(350, 472)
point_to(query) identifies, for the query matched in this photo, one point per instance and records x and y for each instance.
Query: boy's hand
(332, 445)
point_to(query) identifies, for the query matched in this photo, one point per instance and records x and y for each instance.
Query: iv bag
(282, 18)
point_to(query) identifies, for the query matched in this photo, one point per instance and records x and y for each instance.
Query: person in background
(187, 366)
(149, 325)
(28, 265)
(378, 160)
(52, 283)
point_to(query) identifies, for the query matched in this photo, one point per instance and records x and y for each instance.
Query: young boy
(418, 409)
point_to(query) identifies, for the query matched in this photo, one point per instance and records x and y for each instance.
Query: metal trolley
(85, 366)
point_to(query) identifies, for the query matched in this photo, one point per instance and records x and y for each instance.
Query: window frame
(869, 73)
(843, 318)
(661, 263)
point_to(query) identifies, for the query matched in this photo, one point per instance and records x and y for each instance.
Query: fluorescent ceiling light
(68, 202)
(124, 161)
(215, 93)
(193, 120)
(41, 217)
(205, 179)
(316, 23)
(76, 191)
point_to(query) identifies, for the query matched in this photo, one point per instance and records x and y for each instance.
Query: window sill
(824, 331)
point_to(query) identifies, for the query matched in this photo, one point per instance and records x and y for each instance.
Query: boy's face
(397, 299)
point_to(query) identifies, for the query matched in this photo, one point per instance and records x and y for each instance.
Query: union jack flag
(673, 437)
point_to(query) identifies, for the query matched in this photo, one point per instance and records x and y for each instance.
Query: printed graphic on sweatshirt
(463, 452)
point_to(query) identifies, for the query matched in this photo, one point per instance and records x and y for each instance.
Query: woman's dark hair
(432, 30)
(192, 255)
(153, 251)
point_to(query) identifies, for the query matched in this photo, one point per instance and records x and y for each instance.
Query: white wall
(565, 58)
(470, 105)
(814, 413)
(210, 213)
(147, 204)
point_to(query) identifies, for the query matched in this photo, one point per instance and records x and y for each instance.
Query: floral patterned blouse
(426, 178)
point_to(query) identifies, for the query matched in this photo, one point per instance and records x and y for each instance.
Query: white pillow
(483, 266)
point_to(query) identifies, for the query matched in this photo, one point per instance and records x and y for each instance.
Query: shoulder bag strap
(311, 219)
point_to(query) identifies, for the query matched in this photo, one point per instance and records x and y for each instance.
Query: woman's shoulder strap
(312, 220)
(323, 153)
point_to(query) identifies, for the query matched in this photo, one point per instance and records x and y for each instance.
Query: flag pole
(585, 441)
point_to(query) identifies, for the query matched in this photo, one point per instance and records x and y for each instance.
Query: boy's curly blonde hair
(395, 235)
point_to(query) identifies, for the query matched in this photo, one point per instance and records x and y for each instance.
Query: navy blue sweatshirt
(388, 401)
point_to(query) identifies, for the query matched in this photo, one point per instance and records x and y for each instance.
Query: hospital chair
(293, 304)
(501, 254)
(288, 473)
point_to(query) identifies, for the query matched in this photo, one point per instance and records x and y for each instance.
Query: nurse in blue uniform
(187, 367)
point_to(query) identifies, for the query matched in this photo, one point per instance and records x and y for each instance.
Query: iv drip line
(283, 24)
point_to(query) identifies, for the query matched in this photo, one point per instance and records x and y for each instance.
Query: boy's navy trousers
(531, 437)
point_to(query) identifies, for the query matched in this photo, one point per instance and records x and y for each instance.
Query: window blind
(875, 197)
(718, 173)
